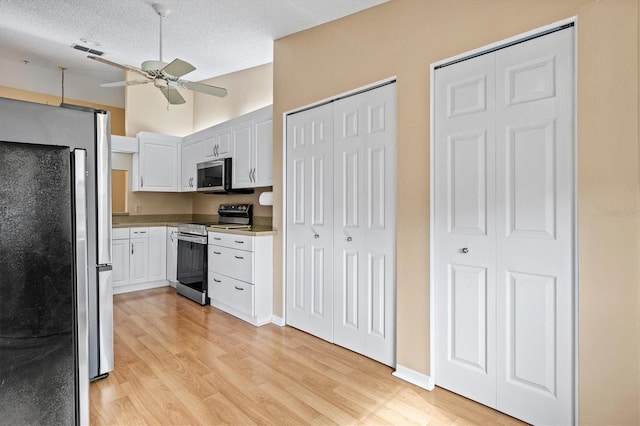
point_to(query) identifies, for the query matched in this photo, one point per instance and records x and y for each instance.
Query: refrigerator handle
(79, 161)
(103, 184)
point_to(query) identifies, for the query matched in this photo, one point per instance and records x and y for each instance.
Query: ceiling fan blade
(173, 96)
(125, 83)
(203, 88)
(114, 64)
(178, 68)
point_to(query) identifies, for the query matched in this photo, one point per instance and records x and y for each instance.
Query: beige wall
(117, 114)
(402, 38)
(249, 90)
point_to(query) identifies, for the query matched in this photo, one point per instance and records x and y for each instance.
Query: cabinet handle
(216, 252)
(239, 242)
(218, 281)
(131, 248)
(217, 238)
(239, 257)
(141, 182)
(238, 288)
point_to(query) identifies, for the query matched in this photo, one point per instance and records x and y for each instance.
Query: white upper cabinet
(124, 144)
(156, 167)
(218, 144)
(242, 136)
(191, 153)
(253, 150)
(263, 150)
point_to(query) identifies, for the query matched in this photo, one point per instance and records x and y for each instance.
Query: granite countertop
(261, 226)
(256, 230)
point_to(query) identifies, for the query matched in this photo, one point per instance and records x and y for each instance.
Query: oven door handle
(192, 239)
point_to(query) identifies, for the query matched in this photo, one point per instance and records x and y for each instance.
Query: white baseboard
(277, 321)
(142, 286)
(414, 377)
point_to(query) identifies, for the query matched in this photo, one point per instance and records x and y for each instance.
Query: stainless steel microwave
(216, 177)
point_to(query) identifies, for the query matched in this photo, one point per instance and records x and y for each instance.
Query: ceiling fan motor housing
(153, 65)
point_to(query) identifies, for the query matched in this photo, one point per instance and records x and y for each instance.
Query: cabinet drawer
(139, 232)
(240, 242)
(233, 293)
(233, 263)
(120, 234)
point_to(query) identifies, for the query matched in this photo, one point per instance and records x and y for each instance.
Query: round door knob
(349, 239)
(464, 250)
(316, 236)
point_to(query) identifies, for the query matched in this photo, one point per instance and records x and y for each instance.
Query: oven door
(192, 261)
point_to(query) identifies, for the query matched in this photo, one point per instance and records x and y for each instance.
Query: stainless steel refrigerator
(56, 298)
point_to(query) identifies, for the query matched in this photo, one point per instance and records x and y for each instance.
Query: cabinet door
(263, 151)
(158, 165)
(223, 143)
(189, 160)
(157, 253)
(139, 260)
(172, 253)
(242, 162)
(120, 250)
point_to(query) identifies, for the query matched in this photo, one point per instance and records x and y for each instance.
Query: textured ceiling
(216, 36)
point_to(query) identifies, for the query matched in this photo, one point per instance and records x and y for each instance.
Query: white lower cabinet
(172, 254)
(240, 275)
(157, 253)
(139, 258)
(120, 257)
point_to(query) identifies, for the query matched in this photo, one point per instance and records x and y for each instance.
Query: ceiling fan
(165, 77)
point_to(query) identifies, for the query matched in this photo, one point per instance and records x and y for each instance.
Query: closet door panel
(535, 243)
(309, 289)
(364, 240)
(465, 229)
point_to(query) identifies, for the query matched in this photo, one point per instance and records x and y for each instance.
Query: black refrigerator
(56, 300)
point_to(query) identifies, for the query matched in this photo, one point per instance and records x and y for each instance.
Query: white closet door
(535, 180)
(364, 222)
(310, 221)
(465, 229)
(504, 228)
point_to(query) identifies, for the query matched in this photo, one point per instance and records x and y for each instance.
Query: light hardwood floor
(179, 363)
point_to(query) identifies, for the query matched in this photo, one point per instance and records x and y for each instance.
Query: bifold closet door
(364, 223)
(465, 229)
(309, 216)
(504, 228)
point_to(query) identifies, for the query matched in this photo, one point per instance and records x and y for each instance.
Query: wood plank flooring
(178, 363)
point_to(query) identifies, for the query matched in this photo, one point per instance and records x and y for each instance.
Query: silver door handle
(464, 250)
